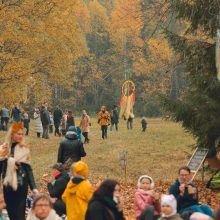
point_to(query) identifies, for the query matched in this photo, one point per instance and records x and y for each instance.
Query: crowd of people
(71, 195)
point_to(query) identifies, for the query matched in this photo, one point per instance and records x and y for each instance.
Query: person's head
(58, 169)
(184, 174)
(37, 110)
(108, 188)
(72, 129)
(42, 206)
(25, 115)
(114, 106)
(168, 205)
(145, 182)
(70, 113)
(2, 201)
(58, 106)
(84, 113)
(103, 108)
(15, 134)
(80, 168)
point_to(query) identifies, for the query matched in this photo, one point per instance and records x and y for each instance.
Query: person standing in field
(114, 118)
(37, 122)
(130, 121)
(143, 124)
(104, 121)
(26, 121)
(45, 120)
(70, 120)
(16, 171)
(16, 113)
(57, 117)
(85, 123)
(5, 114)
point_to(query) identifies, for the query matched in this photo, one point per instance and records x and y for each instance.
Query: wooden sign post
(197, 160)
(123, 164)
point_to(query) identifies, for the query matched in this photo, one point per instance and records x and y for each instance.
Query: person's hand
(4, 150)
(53, 200)
(182, 188)
(35, 192)
(46, 178)
(191, 190)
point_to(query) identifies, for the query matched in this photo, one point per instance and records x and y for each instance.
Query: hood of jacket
(71, 135)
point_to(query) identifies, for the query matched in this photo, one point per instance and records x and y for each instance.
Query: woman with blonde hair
(16, 172)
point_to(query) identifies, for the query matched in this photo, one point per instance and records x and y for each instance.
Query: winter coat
(184, 201)
(37, 123)
(45, 118)
(114, 116)
(16, 114)
(103, 118)
(7, 171)
(57, 116)
(173, 217)
(52, 216)
(103, 209)
(57, 187)
(5, 113)
(76, 196)
(85, 123)
(70, 121)
(143, 200)
(71, 147)
(26, 122)
(144, 123)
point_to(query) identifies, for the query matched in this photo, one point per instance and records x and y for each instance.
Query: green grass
(158, 152)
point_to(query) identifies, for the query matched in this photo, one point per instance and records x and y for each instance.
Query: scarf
(52, 216)
(21, 155)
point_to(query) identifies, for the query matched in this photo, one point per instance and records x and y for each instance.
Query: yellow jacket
(76, 197)
(103, 118)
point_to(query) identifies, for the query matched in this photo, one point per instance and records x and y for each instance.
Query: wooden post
(123, 163)
(203, 171)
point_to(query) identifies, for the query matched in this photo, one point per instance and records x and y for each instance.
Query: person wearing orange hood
(78, 192)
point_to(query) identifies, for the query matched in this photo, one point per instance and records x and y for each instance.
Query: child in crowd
(147, 201)
(169, 208)
(26, 121)
(78, 192)
(79, 132)
(2, 204)
(144, 124)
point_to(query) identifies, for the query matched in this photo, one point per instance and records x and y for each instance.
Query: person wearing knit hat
(169, 208)
(147, 201)
(78, 192)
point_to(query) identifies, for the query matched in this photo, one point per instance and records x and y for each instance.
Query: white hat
(147, 177)
(171, 201)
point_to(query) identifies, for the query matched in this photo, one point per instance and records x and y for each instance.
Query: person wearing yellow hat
(78, 192)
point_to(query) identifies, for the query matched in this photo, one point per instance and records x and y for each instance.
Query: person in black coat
(57, 117)
(57, 187)
(16, 171)
(45, 119)
(105, 203)
(71, 148)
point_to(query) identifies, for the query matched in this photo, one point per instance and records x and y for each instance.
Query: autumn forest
(78, 53)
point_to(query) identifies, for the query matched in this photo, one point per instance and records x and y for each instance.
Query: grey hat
(84, 112)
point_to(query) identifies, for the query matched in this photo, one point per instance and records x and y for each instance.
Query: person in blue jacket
(186, 194)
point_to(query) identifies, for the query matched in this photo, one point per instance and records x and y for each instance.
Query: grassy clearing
(158, 152)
